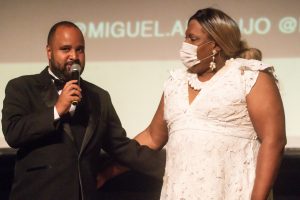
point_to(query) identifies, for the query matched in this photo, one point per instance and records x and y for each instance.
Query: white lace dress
(212, 147)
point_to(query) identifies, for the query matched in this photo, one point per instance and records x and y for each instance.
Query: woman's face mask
(188, 54)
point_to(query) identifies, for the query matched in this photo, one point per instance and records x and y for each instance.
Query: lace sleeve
(250, 70)
(171, 86)
(175, 76)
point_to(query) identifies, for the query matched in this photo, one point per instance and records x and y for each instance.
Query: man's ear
(48, 50)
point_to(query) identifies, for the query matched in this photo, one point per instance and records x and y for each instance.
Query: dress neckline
(192, 78)
(195, 83)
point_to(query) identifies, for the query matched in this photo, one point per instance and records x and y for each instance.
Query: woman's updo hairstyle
(251, 53)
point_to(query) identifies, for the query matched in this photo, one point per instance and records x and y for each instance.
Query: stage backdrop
(132, 45)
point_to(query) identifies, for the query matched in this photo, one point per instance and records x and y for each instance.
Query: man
(59, 143)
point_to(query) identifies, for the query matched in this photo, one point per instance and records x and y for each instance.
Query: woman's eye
(193, 38)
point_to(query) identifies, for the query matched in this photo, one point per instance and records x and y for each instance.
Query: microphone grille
(75, 67)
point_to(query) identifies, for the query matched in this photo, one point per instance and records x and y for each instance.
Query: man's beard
(60, 71)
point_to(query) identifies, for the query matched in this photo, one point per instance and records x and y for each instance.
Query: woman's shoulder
(251, 64)
(176, 77)
(178, 73)
(249, 70)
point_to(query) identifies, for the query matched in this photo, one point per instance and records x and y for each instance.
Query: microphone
(75, 75)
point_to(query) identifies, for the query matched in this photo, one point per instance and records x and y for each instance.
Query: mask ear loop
(212, 64)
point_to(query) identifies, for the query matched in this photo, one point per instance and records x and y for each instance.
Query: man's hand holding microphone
(71, 93)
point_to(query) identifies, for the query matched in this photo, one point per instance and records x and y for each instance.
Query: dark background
(136, 186)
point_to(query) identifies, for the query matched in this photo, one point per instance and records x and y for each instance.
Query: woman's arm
(155, 135)
(267, 115)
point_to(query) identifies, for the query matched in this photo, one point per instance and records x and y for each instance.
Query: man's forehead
(67, 34)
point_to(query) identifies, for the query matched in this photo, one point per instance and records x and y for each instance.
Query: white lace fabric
(212, 147)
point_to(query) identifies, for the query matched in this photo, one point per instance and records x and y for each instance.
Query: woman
(222, 119)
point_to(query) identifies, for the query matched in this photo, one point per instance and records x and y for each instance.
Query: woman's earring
(212, 64)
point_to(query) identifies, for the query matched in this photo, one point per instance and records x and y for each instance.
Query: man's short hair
(59, 24)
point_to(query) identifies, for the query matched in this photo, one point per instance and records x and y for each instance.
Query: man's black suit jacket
(48, 164)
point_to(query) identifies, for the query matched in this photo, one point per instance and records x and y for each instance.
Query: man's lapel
(48, 90)
(93, 103)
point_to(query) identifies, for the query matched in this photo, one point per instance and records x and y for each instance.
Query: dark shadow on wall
(287, 185)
